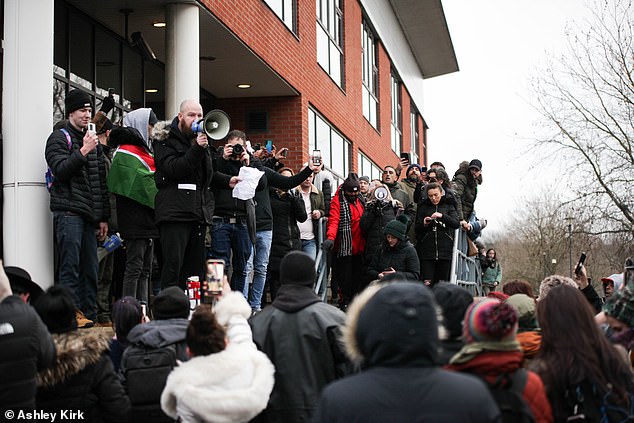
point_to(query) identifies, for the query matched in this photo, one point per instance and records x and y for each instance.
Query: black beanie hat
(56, 308)
(171, 303)
(454, 302)
(75, 100)
(297, 268)
(351, 183)
(397, 227)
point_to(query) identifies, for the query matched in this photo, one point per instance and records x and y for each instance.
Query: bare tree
(586, 99)
(538, 242)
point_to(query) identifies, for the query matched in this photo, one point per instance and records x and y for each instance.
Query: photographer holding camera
(491, 272)
(380, 209)
(230, 231)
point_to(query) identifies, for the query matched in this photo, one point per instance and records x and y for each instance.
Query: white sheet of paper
(245, 189)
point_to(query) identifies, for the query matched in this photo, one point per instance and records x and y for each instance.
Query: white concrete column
(182, 67)
(27, 120)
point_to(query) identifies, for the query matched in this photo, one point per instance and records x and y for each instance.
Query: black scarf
(293, 298)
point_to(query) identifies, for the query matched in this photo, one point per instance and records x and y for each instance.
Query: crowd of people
(397, 342)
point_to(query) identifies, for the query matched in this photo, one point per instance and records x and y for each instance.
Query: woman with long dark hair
(583, 373)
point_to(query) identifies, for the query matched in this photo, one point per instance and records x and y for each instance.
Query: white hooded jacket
(233, 385)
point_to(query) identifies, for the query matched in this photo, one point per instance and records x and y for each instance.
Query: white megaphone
(215, 124)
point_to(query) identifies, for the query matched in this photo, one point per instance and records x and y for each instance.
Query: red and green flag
(132, 174)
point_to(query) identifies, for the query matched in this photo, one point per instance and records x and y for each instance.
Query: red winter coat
(490, 365)
(356, 210)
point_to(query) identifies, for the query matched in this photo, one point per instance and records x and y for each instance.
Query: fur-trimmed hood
(394, 325)
(463, 171)
(75, 351)
(161, 130)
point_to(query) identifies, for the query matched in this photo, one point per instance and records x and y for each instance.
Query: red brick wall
(294, 58)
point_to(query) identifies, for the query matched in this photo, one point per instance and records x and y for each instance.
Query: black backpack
(144, 371)
(508, 392)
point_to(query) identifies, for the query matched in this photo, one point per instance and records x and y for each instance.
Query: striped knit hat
(490, 321)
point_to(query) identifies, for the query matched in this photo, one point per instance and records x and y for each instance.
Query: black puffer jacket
(376, 215)
(26, 347)
(83, 379)
(181, 165)
(402, 258)
(288, 209)
(466, 190)
(435, 241)
(80, 182)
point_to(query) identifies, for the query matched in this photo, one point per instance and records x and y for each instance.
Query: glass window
(59, 95)
(330, 38)
(369, 72)
(108, 60)
(133, 84)
(285, 10)
(81, 51)
(397, 121)
(413, 117)
(368, 168)
(60, 42)
(155, 80)
(335, 149)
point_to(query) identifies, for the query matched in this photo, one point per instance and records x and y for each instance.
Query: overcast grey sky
(482, 111)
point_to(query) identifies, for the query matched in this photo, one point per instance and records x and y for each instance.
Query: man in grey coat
(300, 335)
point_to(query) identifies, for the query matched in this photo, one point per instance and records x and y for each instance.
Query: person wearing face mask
(436, 223)
(344, 237)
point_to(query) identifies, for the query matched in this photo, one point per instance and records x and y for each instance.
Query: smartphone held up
(213, 279)
(580, 263)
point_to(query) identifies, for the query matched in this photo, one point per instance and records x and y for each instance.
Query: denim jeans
(309, 246)
(258, 262)
(228, 238)
(138, 267)
(78, 266)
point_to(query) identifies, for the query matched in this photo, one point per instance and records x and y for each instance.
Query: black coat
(83, 379)
(402, 258)
(226, 205)
(135, 220)
(376, 215)
(300, 335)
(466, 191)
(288, 209)
(263, 212)
(26, 347)
(406, 394)
(435, 241)
(80, 182)
(400, 381)
(180, 165)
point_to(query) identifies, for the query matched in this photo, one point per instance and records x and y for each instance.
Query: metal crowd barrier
(322, 267)
(465, 270)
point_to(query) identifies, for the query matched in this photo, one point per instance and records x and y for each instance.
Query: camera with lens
(237, 151)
